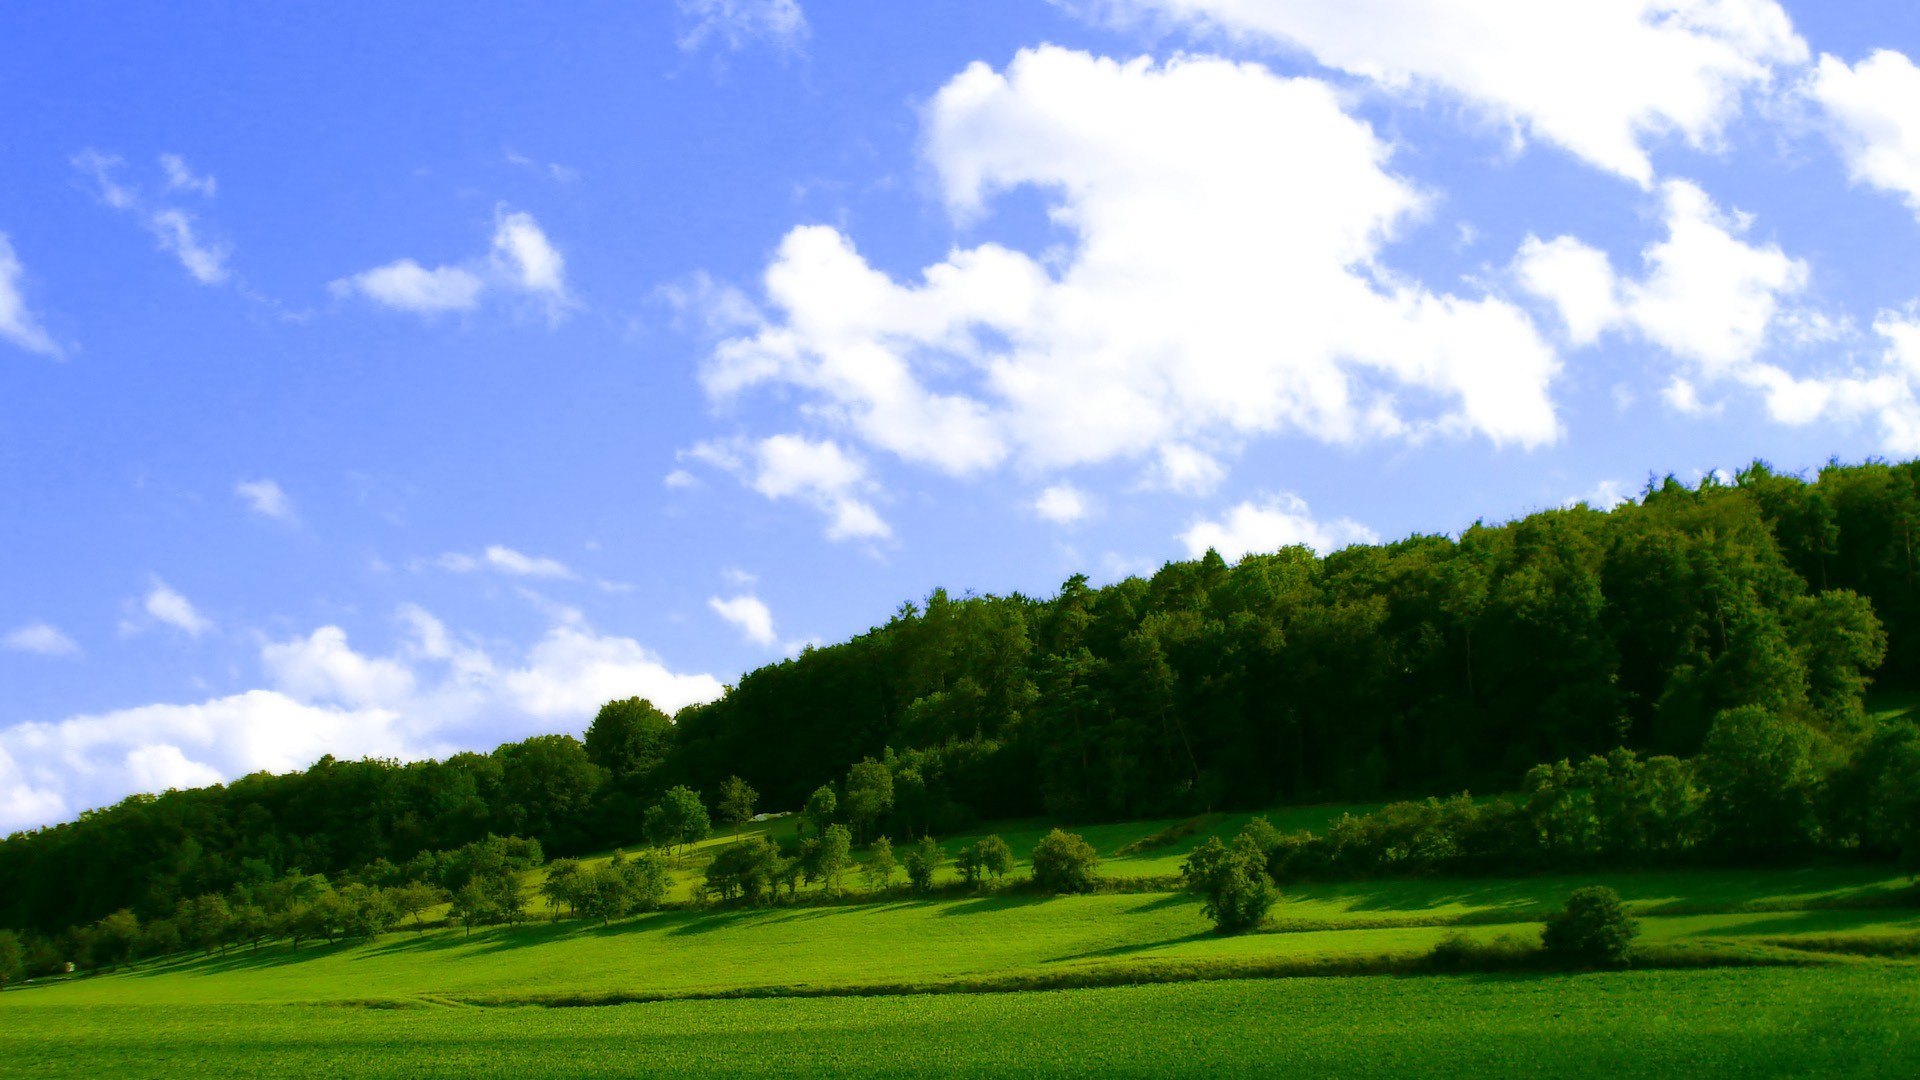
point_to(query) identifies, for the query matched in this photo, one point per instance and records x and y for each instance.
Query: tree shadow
(1161, 903)
(1132, 950)
(987, 905)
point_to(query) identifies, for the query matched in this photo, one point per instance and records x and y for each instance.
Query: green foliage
(629, 739)
(1761, 782)
(922, 861)
(821, 808)
(1593, 930)
(987, 857)
(736, 801)
(1064, 862)
(1233, 880)
(869, 793)
(678, 819)
(879, 868)
(12, 957)
(833, 856)
(746, 869)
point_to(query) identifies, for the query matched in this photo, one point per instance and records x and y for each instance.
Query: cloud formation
(1871, 116)
(175, 230)
(1269, 524)
(1210, 288)
(522, 263)
(749, 614)
(436, 694)
(17, 324)
(817, 472)
(42, 638)
(265, 497)
(164, 605)
(1599, 78)
(505, 560)
(734, 23)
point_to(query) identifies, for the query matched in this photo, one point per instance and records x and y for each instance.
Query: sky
(390, 380)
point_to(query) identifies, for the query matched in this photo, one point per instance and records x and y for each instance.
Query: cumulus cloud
(749, 614)
(1600, 78)
(1869, 108)
(734, 23)
(42, 638)
(437, 693)
(1269, 524)
(1062, 504)
(17, 324)
(162, 604)
(174, 229)
(521, 263)
(265, 497)
(817, 472)
(505, 560)
(1212, 287)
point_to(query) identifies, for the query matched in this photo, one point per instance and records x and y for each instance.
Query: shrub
(1064, 862)
(1233, 880)
(1594, 930)
(989, 856)
(922, 861)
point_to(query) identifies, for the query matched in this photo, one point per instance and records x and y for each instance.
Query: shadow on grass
(988, 905)
(1134, 949)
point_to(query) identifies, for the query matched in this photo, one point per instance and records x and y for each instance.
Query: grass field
(895, 984)
(1847, 1021)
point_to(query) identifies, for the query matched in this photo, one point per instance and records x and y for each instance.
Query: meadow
(1741, 973)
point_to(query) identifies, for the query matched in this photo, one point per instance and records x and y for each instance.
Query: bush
(1594, 930)
(989, 856)
(922, 861)
(1233, 880)
(1064, 862)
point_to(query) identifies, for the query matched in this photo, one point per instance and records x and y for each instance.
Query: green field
(894, 985)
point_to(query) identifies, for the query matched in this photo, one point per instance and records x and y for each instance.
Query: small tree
(736, 802)
(869, 793)
(1064, 862)
(413, 899)
(604, 893)
(562, 887)
(989, 855)
(922, 862)
(836, 842)
(12, 957)
(1594, 930)
(648, 881)
(880, 866)
(1233, 880)
(680, 818)
(821, 806)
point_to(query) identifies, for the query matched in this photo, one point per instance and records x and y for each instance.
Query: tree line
(1428, 665)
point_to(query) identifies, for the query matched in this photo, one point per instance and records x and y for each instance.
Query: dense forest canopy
(1425, 666)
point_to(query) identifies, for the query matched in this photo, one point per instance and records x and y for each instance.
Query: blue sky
(390, 382)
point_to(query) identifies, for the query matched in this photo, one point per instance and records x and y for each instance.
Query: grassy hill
(1800, 971)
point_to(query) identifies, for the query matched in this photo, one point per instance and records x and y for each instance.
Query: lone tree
(832, 858)
(1064, 862)
(680, 818)
(736, 802)
(880, 866)
(1594, 930)
(922, 861)
(1233, 880)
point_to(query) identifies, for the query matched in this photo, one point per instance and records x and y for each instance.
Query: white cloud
(439, 692)
(1708, 296)
(172, 227)
(736, 22)
(167, 606)
(181, 177)
(1870, 108)
(1062, 504)
(680, 478)
(521, 262)
(816, 472)
(1605, 495)
(506, 560)
(265, 497)
(1270, 524)
(408, 286)
(1212, 287)
(749, 614)
(17, 324)
(1183, 469)
(1601, 78)
(39, 637)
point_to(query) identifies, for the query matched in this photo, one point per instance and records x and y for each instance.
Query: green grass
(1850, 1021)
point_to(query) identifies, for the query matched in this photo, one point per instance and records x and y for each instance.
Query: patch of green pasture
(1852, 1021)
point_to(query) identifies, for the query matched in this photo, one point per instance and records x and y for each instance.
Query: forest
(1702, 650)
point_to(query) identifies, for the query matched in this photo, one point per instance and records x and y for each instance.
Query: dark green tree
(736, 802)
(629, 739)
(1594, 929)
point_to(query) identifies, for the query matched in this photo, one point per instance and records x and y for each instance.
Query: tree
(1064, 862)
(562, 886)
(869, 794)
(988, 856)
(648, 881)
(922, 862)
(680, 818)
(1594, 930)
(736, 801)
(832, 860)
(1761, 779)
(1233, 880)
(879, 867)
(203, 921)
(471, 905)
(746, 869)
(412, 899)
(820, 809)
(604, 893)
(114, 938)
(11, 957)
(629, 738)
